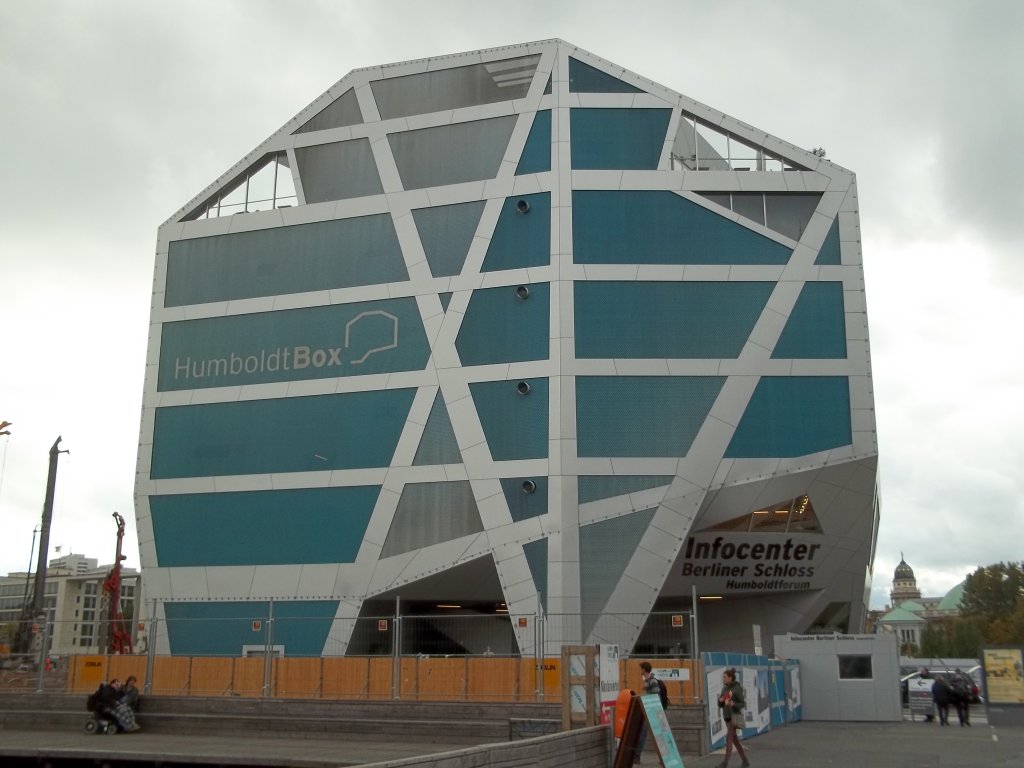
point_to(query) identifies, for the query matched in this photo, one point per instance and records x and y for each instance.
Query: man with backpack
(962, 690)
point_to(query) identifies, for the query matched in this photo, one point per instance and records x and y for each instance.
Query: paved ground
(802, 745)
(223, 750)
(880, 745)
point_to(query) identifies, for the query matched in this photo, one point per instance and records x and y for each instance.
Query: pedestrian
(962, 688)
(732, 702)
(941, 695)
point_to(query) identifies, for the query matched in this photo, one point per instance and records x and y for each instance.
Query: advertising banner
(1004, 675)
(608, 674)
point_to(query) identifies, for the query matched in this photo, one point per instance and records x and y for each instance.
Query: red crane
(120, 639)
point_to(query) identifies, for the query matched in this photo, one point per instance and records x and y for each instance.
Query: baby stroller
(101, 704)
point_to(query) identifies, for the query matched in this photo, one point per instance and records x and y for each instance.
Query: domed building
(904, 584)
(910, 613)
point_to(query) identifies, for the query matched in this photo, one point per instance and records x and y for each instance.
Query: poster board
(645, 718)
(608, 681)
(919, 693)
(660, 732)
(1004, 675)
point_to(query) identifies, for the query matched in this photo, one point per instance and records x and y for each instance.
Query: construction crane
(114, 634)
(32, 613)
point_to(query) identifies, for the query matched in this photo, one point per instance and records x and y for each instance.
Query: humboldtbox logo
(319, 342)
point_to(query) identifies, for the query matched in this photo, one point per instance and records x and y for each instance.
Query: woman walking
(732, 702)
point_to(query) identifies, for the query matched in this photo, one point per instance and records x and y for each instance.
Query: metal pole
(151, 633)
(267, 666)
(538, 656)
(396, 651)
(699, 683)
(43, 652)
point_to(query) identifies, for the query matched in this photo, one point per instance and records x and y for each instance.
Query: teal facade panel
(794, 416)
(659, 227)
(641, 415)
(630, 320)
(536, 157)
(515, 425)
(584, 78)
(223, 628)
(536, 553)
(297, 434)
(526, 496)
(269, 262)
(816, 328)
(521, 239)
(830, 254)
(618, 138)
(303, 525)
(500, 327)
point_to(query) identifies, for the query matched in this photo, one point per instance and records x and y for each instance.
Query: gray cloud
(118, 113)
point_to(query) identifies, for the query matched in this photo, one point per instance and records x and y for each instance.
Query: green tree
(993, 604)
(966, 636)
(1008, 630)
(934, 643)
(993, 592)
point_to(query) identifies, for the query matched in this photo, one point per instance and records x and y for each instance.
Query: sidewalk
(205, 749)
(879, 745)
(801, 745)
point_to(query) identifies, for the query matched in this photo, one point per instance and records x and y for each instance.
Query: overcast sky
(115, 114)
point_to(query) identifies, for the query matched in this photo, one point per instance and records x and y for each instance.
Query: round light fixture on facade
(529, 486)
(522, 206)
(523, 292)
(523, 388)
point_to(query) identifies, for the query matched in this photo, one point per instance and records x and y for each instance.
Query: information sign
(660, 730)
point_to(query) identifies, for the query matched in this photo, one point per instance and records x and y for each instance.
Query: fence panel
(212, 677)
(171, 676)
(249, 673)
(346, 677)
(493, 679)
(298, 678)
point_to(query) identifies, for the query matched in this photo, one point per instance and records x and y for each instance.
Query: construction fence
(440, 657)
(465, 678)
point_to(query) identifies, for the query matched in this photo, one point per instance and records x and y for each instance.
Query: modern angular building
(514, 334)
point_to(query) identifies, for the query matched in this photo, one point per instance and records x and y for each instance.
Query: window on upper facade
(454, 88)
(784, 212)
(264, 186)
(794, 515)
(702, 147)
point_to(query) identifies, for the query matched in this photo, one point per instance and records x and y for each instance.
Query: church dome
(951, 602)
(903, 571)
